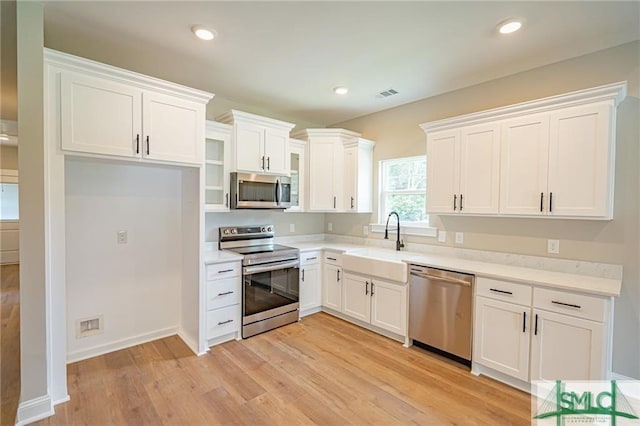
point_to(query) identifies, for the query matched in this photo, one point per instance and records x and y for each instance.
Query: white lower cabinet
(332, 281)
(502, 337)
(310, 283)
(224, 296)
(375, 301)
(566, 348)
(534, 333)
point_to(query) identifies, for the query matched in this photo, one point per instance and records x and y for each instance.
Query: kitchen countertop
(220, 256)
(560, 280)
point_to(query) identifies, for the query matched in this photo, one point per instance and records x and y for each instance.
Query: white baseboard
(33, 410)
(192, 344)
(120, 344)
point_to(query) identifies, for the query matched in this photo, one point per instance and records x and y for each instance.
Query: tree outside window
(403, 184)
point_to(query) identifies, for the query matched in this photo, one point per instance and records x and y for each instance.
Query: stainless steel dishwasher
(440, 311)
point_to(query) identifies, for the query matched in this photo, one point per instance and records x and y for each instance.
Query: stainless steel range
(270, 276)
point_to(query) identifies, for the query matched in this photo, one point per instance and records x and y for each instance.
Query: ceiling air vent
(387, 93)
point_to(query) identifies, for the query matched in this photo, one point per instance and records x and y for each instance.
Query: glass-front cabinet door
(217, 160)
(297, 163)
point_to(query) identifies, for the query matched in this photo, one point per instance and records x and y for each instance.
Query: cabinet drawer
(577, 305)
(310, 257)
(223, 321)
(332, 258)
(504, 290)
(224, 292)
(223, 270)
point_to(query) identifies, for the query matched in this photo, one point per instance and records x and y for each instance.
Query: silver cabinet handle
(352, 202)
(311, 258)
(332, 258)
(225, 322)
(372, 287)
(225, 270)
(226, 198)
(500, 291)
(268, 163)
(303, 275)
(366, 288)
(338, 275)
(225, 293)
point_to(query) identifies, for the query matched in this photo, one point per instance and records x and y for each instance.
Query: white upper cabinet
(463, 170)
(340, 171)
(297, 166)
(358, 176)
(109, 111)
(260, 144)
(86, 102)
(443, 169)
(523, 174)
(173, 128)
(217, 158)
(553, 157)
(581, 161)
(479, 169)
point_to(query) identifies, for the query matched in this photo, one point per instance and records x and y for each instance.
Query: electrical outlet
(553, 246)
(365, 230)
(122, 237)
(459, 237)
(292, 227)
(442, 236)
(329, 226)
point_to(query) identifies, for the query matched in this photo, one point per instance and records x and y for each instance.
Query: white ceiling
(285, 57)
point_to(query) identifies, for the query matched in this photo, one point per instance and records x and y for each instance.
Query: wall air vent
(387, 93)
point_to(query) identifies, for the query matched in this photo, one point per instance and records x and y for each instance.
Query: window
(403, 184)
(8, 201)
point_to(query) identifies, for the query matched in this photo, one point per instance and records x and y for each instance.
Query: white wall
(134, 286)
(304, 223)
(35, 366)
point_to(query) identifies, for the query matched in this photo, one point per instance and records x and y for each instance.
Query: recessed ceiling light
(340, 90)
(509, 26)
(203, 33)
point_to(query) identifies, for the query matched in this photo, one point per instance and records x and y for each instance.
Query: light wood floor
(321, 370)
(9, 343)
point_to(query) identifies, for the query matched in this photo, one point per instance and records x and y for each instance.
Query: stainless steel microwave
(256, 191)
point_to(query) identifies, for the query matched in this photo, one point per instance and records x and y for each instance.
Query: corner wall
(397, 134)
(35, 401)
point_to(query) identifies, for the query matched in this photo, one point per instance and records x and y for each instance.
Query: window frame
(421, 228)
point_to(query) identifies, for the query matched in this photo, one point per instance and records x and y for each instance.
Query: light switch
(292, 227)
(553, 246)
(365, 230)
(329, 226)
(459, 237)
(122, 237)
(442, 236)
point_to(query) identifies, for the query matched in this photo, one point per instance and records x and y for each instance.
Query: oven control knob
(234, 231)
(225, 232)
(270, 229)
(263, 229)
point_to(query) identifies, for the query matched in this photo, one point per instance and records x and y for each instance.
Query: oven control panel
(246, 232)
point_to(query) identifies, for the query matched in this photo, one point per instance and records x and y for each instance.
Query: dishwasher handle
(445, 279)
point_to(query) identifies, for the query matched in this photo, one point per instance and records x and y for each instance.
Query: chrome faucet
(399, 243)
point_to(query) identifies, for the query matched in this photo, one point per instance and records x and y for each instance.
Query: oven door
(269, 290)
